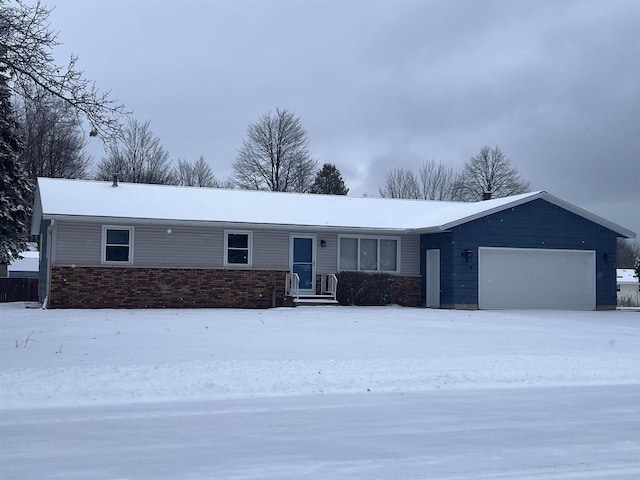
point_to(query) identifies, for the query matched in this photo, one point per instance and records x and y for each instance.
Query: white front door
(303, 261)
(433, 278)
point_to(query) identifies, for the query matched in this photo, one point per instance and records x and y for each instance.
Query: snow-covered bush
(359, 288)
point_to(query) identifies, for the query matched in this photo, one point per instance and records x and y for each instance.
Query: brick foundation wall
(405, 291)
(108, 287)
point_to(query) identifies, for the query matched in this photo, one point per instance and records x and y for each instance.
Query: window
(368, 254)
(117, 245)
(237, 248)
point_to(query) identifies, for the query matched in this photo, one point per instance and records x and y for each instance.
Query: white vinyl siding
(76, 244)
(178, 247)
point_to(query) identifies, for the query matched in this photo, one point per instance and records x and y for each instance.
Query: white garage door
(536, 278)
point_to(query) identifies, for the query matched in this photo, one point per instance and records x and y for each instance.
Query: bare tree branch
(136, 157)
(488, 174)
(436, 181)
(399, 183)
(275, 155)
(54, 143)
(26, 51)
(198, 174)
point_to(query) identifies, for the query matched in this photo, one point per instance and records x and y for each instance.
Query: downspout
(273, 292)
(45, 302)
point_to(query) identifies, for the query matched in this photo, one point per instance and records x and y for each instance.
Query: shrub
(359, 288)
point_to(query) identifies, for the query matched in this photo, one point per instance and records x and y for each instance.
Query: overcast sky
(384, 84)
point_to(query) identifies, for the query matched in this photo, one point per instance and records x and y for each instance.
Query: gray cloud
(385, 84)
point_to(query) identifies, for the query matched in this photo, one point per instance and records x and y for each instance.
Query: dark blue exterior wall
(537, 224)
(443, 242)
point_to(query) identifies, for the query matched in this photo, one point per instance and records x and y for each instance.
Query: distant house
(628, 287)
(25, 267)
(137, 245)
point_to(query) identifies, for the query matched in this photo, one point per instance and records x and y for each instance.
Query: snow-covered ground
(318, 392)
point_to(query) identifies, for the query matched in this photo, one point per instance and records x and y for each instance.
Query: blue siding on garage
(442, 242)
(537, 224)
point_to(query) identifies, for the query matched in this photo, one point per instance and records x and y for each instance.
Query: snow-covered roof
(28, 263)
(61, 198)
(626, 275)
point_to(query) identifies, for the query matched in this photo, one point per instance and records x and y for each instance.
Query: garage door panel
(536, 278)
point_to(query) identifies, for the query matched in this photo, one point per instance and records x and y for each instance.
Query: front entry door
(303, 262)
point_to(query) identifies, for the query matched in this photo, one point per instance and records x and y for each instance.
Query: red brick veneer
(109, 287)
(405, 291)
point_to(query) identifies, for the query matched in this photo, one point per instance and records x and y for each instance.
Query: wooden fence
(18, 290)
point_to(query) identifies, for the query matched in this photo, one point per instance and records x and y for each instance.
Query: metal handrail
(329, 284)
(293, 284)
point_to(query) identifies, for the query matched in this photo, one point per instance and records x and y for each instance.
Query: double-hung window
(237, 248)
(117, 245)
(369, 254)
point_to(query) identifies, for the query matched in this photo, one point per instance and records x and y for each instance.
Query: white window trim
(249, 245)
(103, 254)
(374, 237)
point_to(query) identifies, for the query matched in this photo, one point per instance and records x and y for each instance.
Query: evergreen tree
(329, 181)
(637, 267)
(15, 187)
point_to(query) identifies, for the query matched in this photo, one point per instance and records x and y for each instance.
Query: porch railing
(292, 285)
(329, 285)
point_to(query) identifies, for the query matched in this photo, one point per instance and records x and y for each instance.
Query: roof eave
(224, 224)
(621, 231)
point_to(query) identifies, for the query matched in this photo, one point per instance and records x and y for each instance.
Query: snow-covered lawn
(318, 392)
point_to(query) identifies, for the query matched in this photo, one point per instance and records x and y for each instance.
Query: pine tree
(15, 186)
(637, 267)
(329, 181)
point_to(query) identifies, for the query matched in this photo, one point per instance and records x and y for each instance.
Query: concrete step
(315, 300)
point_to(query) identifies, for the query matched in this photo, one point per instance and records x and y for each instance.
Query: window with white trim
(237, 248)
(117, 244)
(368, 254)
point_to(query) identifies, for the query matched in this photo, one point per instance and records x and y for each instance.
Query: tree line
(488, 174)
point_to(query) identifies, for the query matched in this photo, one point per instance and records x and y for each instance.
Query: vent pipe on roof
(486, 195)
(115, 180)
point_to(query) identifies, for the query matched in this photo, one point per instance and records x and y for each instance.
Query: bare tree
(198, 174)
(53, 139)
(26, 51)
(399, 183)
(275, 155)
(628, 251)
(436, 181)
(488, 174)
(137, 157)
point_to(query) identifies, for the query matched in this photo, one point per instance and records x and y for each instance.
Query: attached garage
(536, 278)
(530, 252)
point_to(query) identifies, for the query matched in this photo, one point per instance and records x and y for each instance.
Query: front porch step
(315, 300)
